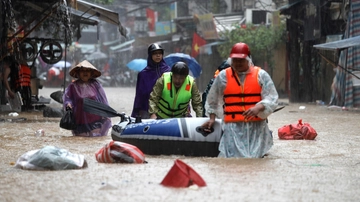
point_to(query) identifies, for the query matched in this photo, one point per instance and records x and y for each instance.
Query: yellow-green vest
(174, 104)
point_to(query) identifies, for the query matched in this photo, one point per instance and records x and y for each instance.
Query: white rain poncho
(244, 139)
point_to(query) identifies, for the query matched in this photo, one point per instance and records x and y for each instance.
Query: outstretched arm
(138, 95)
(155, 96)
(269, 95)
(6, 82)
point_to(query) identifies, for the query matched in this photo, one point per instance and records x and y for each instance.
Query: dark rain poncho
(89, 125)
(146, 80)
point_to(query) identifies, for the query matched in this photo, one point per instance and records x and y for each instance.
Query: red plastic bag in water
(297, 131)
(120, 152)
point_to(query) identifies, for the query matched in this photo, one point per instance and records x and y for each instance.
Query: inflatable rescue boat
(174, 136)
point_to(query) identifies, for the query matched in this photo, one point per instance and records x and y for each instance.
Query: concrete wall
(209, 64)
(279, 71)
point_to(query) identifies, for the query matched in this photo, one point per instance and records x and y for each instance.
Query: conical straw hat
(84, 64)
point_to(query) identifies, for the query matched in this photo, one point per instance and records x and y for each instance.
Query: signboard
(164, 27)
(140, 24)
(208, 26)
(173, 10)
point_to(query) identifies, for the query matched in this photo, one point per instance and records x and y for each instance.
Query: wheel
(29, 49)
(51, 52)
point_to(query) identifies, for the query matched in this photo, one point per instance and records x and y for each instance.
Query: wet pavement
(324, 169)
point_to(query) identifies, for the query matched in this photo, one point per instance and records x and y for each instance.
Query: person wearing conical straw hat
(86, 86)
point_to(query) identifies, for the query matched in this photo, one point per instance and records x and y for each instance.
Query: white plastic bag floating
(50, 158)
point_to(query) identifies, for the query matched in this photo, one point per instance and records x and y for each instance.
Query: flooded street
(324, 169)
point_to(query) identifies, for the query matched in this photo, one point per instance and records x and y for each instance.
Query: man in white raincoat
(244, 96)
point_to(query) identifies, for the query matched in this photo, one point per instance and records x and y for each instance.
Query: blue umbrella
(193, 65)
(137, 64)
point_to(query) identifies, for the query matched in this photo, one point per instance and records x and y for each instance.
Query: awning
(286, 7)
(82, 18)
(227, 22)
(100, 12)
(114, 48)
(124, 49)
(222, 22)
(339, 45)
(109, 43)
(145, 41)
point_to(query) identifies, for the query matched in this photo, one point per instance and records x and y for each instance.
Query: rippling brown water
(326, 169)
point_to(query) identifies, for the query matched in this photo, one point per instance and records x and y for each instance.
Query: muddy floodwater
(324, 169)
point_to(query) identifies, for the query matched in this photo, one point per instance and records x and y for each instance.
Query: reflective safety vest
(24, 78)
(238, 98)
(173, 104)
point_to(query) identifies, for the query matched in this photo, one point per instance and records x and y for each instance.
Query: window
(237, 5)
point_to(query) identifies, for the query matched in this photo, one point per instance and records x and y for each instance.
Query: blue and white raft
(174, 136)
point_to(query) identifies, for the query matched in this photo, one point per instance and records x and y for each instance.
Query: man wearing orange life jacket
(17, 78)
(248, 97)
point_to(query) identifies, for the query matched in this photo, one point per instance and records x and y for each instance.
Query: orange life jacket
(24, 78)
(240, 98)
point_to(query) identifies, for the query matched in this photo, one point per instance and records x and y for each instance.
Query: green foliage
(261, 40)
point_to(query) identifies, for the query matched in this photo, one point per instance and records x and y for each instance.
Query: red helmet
(240, 50)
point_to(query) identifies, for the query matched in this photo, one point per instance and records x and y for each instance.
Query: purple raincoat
(88, 125)
(146, 80)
